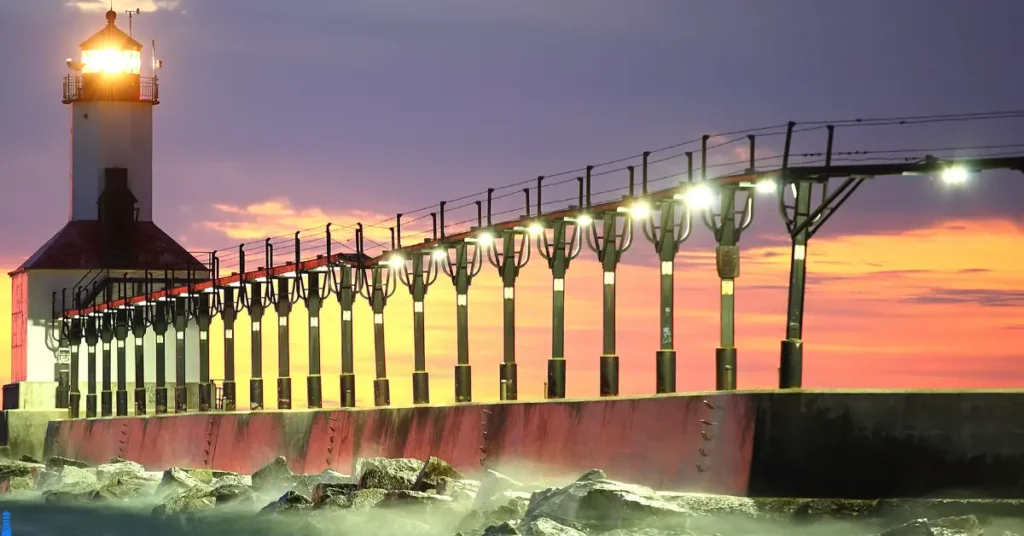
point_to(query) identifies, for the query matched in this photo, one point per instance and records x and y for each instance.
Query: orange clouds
(932, 307)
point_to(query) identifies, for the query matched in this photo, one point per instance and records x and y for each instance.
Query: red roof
(85, 245)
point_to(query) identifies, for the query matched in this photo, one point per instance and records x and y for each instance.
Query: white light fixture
(584, 220)
(396, 261)
(699, 197)
(955, 175)
(535, 229)
(640, 210)
(485, 239)
(766, 186)
(440, 254)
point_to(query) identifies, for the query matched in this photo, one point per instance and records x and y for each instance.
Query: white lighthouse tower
(110, 241)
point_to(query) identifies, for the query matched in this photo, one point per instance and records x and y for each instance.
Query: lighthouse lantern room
(110, 244)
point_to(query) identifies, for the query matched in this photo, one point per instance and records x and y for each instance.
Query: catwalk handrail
(785, 175)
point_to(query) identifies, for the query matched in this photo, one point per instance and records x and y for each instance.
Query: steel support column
(563, 245)
(515, 254)
(75, 341)
(256, 306)
(314, 293)
(91, 340)
(417, 274)
(727, 231)
(140, 323)
(107, 394)
(230, 306)
(204, 313)
(466, 264)
(803, 219)
(380, 287)
(161, 321)
(347, 283)
(667, 231)
(614, 239)
(182, 313)
(283, 305)
(121, 336)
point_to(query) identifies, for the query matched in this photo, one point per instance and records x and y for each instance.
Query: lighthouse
(109, 247)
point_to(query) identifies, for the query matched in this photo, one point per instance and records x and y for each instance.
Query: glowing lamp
(110, 51)
(640, 210)
(440, 254)
(535, 229)
(766, 186)
(396, 261)
(485, 239)
(584, 220)
(955, 175)
(699, 197)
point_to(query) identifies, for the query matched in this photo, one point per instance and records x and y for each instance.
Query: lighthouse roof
(84, 245)
(111, 37)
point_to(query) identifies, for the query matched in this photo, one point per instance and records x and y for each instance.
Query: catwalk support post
(260, 295)
(803, 218)
(121, 336)
(417, 273)
(666, 229)
(161, 321)
(92, 339)
(347, 282)
(183, 311)
(463, 262)
(313, 288)
(727, 224)
(141, 319)
(234, 299)
(610, 243)
(514, 255)
(379, 284)
(107, 337)
(57, 333)
(75, 343)
(558, 242)
(287, 296)
(206, 309)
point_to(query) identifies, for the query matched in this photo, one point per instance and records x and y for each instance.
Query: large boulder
(603, 505)
(274, 476)
(176, 480)
(492, 489)
(119, 468)
(387, 474)
(547, 527)
(434, 471)
(56, 462)
(197, 497)
(290, 502)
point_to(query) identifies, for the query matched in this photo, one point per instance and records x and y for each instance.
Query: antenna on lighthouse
(156, 63)
(130, 14)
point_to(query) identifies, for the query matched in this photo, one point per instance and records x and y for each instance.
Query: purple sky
(390, 106)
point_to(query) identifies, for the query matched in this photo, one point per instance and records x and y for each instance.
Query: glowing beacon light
(111, 51)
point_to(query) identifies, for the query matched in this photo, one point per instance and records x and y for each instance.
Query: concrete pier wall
(801, 443)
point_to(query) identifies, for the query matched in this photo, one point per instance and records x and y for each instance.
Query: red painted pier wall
(657, 441)
(855, 444)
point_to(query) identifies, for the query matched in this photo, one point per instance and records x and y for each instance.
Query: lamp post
(141, 318)
(288, 294)
(558, 247)
(347, 283)
(614, 239)
(378, 285)
(91, 340)
(184, 310)
(207, 307)
(57, 333)
(257, 303)
(515, 254)
(121, 335)
(161, 321)
(106, 337)
(463, 261)
(417, 273)
(74, 335)
(666, 232)
(313, 293)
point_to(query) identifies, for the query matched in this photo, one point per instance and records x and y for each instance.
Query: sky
(277, 116)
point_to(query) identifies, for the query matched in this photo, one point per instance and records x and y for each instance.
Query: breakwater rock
(429, 497)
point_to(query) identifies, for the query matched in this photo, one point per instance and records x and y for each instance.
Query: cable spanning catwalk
(808, 188)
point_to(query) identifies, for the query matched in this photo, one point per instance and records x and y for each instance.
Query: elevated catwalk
(858, 444)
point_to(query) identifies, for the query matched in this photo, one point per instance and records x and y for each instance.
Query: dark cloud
(983, 297)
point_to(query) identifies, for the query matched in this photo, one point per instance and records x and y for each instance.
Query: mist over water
(550, 495)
